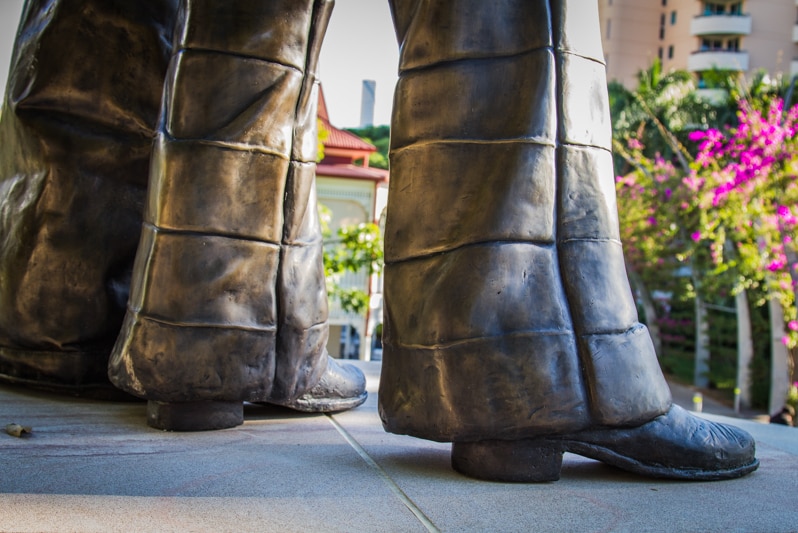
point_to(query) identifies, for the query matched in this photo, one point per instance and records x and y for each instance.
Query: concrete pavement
(95, 466)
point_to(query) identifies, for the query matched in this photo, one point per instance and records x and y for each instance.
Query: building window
(673, 18)
(716, 8)
(662, 26)
(664, 2)
(659, 53)
(708, 45)
(670, 52)
(718, 45)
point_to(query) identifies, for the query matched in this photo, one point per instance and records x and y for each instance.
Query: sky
(360, 45)
(9, 18)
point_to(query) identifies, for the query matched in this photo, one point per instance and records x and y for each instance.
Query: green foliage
(677, 330)
(355, 248)
(372, 132)
(322, 134)
(746, 190)
(378, 160)
(792, 396)
(659, 113)
(759, 92)
(723, 348)
(709, 189)
(380, 137)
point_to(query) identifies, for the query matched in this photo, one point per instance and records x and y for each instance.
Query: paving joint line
(404, 498)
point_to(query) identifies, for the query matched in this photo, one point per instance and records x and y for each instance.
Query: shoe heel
(525, 461)
(194, 416)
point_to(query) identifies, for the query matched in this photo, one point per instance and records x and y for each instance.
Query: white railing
(717, 59)
(721, 25)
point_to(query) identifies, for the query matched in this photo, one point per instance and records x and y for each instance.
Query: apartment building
(699, 35)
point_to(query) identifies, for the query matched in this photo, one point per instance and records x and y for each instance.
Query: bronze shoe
(342, 387)
(676, 445)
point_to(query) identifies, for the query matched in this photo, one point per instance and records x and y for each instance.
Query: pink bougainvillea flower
(634, 144)
(693, 182)
(696, 136)
(777, 264)
(786, 215)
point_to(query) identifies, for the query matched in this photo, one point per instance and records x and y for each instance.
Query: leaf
(16, 430)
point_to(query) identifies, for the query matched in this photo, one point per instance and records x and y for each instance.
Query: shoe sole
(617, 460)
(324, 405)
(539, 461)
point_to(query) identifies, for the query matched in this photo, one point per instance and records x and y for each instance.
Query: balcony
(721, 25)
(717, 59)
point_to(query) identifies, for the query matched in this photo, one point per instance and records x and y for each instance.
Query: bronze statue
(226, 297)
(510, 326)
(516, 336)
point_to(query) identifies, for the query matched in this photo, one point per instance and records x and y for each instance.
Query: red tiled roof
(321, 112)
(339, 138)
(344, 140)
(351, 171)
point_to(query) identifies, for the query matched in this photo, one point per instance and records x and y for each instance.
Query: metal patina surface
(194, 260)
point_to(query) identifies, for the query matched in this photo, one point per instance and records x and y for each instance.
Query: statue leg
(228, 300)
(78, 118)
(510, 326)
